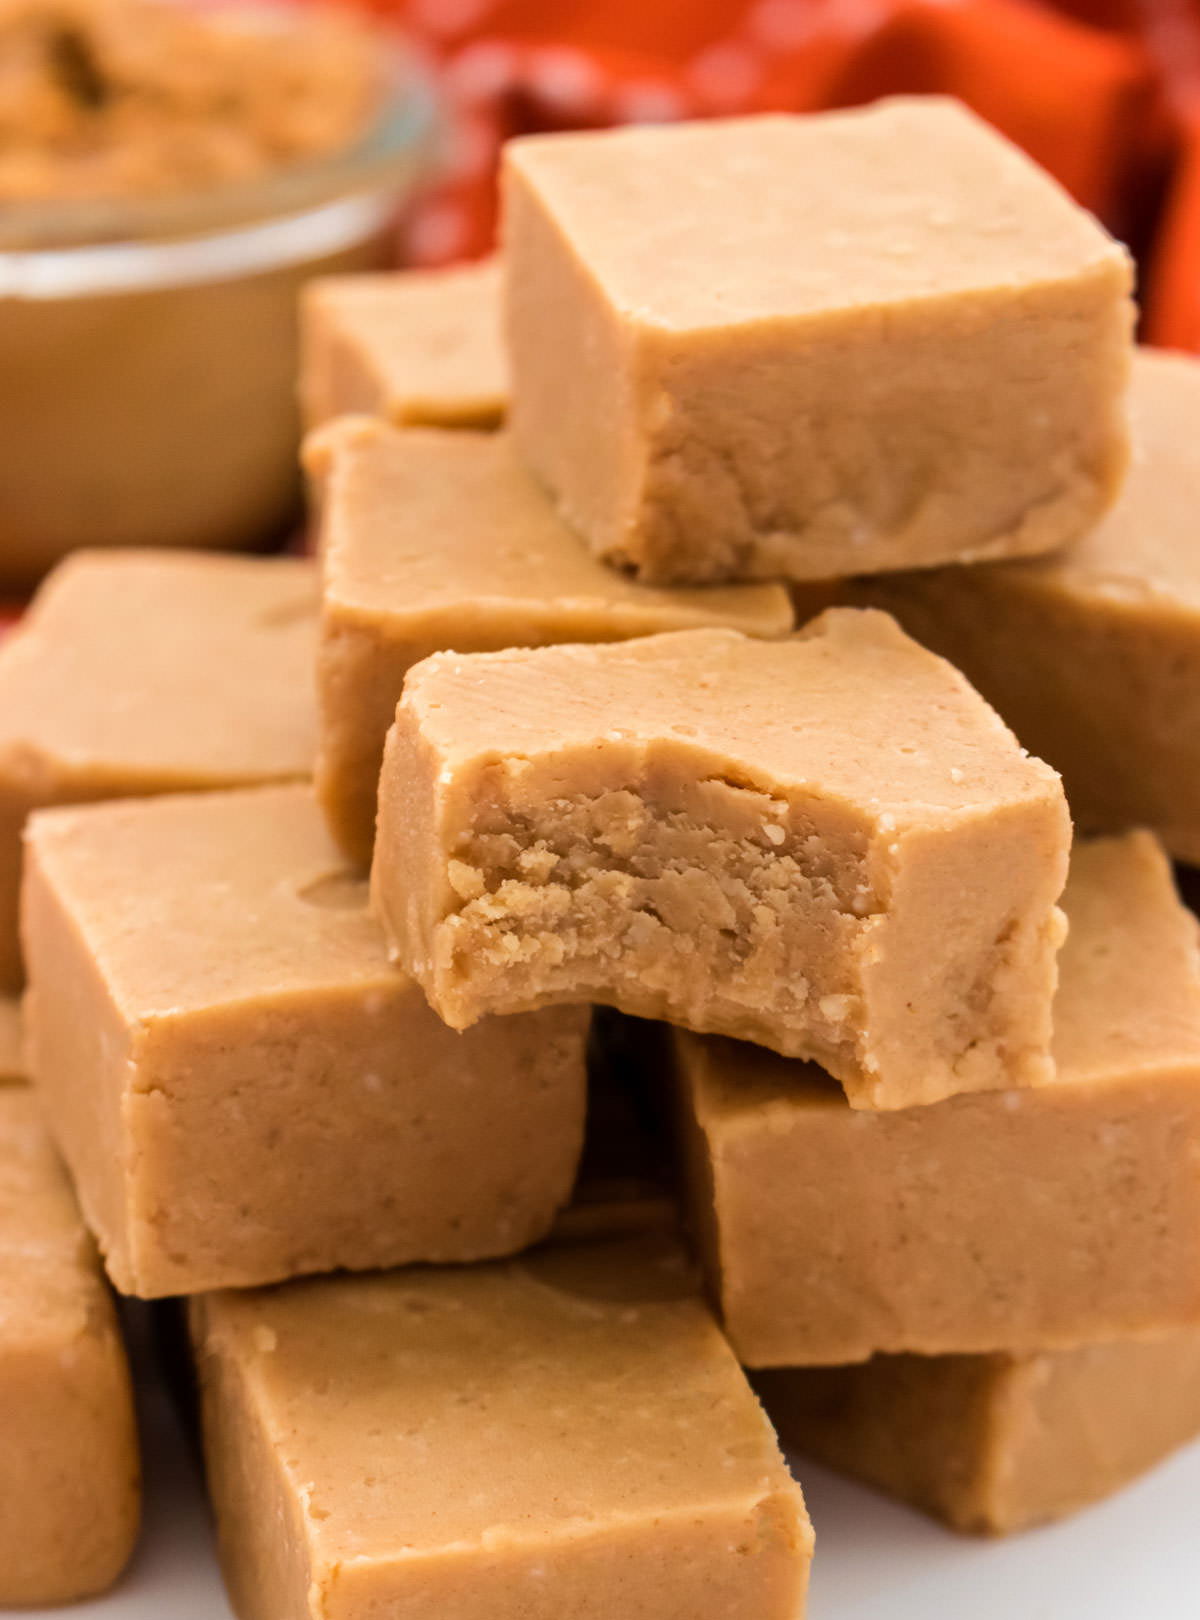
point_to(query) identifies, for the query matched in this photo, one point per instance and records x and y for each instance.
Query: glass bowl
(148, 346)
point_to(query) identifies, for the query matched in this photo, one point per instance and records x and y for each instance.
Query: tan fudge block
(412, 346)
(563, 1435)
(139, 672)
(1041, 1219)
(1093, 656)
(70, 1492)
(996, 1443)
(244, 1089)
(12, 1055)
(812, 346)
(829, 845)
(433, 541)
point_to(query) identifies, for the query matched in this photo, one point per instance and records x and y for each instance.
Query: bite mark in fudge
(828, 845)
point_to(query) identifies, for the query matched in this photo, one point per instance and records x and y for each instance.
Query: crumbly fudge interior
(828, 845)
(664, 899)
(951, 485)
(723, 908)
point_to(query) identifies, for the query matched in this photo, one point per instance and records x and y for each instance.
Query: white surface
(174, 1574)
(1136, 1557)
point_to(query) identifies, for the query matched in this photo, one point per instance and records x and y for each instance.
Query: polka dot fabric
(1104, 93)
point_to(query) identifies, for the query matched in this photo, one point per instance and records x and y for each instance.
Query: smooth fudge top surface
(422, 520)
(194, 899)
(850, 708)
(1144, 553)
(1128, 998)
(49, 1273)
(176, 668)
(423, 1410)
(432, 336)
(723, 222)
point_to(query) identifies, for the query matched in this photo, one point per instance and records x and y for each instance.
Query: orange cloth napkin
(1104, 93)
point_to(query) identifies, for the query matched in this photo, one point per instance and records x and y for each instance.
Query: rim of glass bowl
(399, 149)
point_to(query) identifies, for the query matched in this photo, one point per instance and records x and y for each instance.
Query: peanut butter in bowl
(170, 175)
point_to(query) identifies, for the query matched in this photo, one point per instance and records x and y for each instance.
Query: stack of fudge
(669, 569)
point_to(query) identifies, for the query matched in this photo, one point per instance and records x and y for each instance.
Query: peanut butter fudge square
(1093, 655)
(70, 1491)
(829, 845)
(242, 1085)
(139, 672)
(1021, 1220)
(437, 540)
(561, 1437)
(811, 346)
(412, 346)
(996, 1443)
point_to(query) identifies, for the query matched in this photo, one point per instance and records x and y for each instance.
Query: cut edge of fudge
(1092, 654)
(380, 343)
(69, 1463)
(995, 1444)
(141, 1060)
(747, 1522)
(634, 413)
(76, 728)
(487, 565)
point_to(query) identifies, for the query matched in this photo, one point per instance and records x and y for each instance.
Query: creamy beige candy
(243, 1086)
(442, 540)
(412, 346)
(1043, 1219)
(829, 845)
(1093, 656)
(70, 1493)
(812, 346)
(562, 1435)
(142, 672)
(1001, 1442)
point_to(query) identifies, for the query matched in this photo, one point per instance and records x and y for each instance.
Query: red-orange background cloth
(1104, 93)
